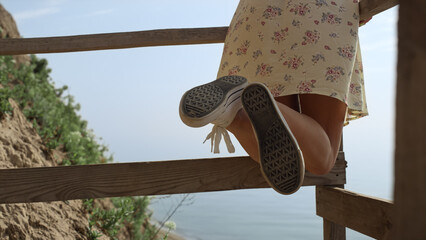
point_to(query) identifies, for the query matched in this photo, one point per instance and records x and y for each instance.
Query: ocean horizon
(256, 213)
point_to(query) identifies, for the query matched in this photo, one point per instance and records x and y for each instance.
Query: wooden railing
(165, 37)
(368, 215)
(142, 178)
(339, 208)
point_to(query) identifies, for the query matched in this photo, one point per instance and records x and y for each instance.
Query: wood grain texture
(164, 37)
(136, 179)
(333, 231)
(410, 136)
(337, 175)
(368, 215)
(369, 8)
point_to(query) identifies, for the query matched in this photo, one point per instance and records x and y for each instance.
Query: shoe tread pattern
(280, 158)
(202, 100)
(279, 154)
(235, 80)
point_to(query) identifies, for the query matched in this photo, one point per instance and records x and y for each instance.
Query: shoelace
(216, 136)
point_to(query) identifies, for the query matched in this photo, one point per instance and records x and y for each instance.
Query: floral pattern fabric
(298, 47)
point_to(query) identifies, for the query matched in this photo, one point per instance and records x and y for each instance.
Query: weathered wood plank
(142, 178)
(333, 231)
(106, 41)
(164, 37)
(368, 215)
(410, 146)
(369, 8)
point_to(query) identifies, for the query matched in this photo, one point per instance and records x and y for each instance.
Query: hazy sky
(130, 97)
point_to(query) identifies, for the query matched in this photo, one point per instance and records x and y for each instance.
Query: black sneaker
(281, 160)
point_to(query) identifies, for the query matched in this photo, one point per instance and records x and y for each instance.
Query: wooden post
(410, 149)
(331, 230)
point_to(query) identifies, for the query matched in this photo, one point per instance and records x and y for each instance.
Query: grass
(55, 117)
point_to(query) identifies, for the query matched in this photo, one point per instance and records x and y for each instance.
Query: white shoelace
(216, 136)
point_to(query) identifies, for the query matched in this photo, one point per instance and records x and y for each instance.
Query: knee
(321, 166)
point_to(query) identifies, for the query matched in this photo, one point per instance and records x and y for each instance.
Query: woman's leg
(318, 129)
(329, 114)
(242, 129)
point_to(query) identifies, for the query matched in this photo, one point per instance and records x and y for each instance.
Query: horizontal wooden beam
(369, 8)
(142, 178)
(164, 37)
(368, 215)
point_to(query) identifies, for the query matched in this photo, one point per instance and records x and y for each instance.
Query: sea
(256, 214)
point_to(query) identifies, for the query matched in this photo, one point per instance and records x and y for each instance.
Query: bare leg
(318, 129)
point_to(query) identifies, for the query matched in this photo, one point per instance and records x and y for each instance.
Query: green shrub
(128, 211)
(5, 107)
(55, 118)
(53, 115)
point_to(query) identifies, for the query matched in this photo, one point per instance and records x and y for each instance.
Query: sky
(130, 97)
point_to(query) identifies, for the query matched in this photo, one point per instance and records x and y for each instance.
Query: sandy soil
(20, 146)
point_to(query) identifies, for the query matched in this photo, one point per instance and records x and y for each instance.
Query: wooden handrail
(368, 215)
(369, 8)
(164, 37)
(143, 178)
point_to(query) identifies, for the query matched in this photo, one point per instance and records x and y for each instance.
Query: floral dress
(298, 47)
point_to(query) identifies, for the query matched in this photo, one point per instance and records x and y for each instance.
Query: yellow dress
(298, 47)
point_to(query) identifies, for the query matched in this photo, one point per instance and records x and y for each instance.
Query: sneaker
(216, 102)
(281, 161)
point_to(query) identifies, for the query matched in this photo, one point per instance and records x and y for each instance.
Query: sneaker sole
(281, 160)
(201, 105)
